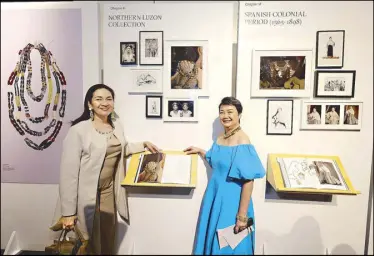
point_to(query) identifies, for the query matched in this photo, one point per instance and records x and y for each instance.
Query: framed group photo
(128, 53)
(279, 117)
(330, 48)
(180, 109)
(153, 106)
(281, 73)
(151, 48)
(331, 115)
(335, 84)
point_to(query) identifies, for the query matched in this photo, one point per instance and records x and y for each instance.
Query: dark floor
(27, 252)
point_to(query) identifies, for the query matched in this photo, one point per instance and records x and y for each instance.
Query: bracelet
(242, 218)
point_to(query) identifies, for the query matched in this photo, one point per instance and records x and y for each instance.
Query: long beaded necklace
(227, 135)
(189, 77)
(18, 74)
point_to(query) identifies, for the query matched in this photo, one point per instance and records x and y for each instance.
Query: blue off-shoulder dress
(231, 166)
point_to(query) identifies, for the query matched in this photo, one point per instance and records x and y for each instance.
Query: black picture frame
(319, 66)
(125, 63)
(316, 83)
(146, 106)
(161, 63)
(267, 116)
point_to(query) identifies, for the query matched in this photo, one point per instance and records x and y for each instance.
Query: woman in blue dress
(228, 196)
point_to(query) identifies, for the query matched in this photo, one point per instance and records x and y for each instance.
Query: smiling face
(229, 116)
(185, 106)
(102, 103)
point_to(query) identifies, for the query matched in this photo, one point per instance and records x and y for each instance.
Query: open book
(316, 173)
(162, 168)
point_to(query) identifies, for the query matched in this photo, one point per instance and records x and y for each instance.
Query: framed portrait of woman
(185, 69)
(330, 49)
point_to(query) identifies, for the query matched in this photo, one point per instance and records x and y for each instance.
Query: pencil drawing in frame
(146, 80)
(153, 106)
(151, 48)
(330, 49)
(279, 117)
(334, 84)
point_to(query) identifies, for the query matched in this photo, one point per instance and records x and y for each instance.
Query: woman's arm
(245, 197)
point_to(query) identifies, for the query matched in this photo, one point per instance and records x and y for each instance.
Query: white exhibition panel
(28, 208)
(293, 227)
(164, 224)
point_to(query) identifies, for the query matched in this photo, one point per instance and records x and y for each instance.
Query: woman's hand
(68, 222)
(151, 147)
(193, 150)
(239, 226)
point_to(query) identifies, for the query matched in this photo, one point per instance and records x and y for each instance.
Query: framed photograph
(331, 115)
(279, 117)
(330, 49)
(281, 73)
(186, 68)
(146, 81)
(180, 109)
(128, 53)
(153, 106)
(151, 47)
(335, 84)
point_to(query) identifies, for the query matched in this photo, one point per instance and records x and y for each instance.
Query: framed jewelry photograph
(180, 109)
(281, 73)
(279, 117)
(153, 106)
(128, 53)
(335, 84)
(185, 71)
(330, 49)
(331, 115)
(146, 81)
(151, 48)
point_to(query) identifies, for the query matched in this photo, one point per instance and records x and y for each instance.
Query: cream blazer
(82, 158)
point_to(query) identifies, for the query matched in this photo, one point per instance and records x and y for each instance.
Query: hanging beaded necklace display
(188, 75)
(227, 135)
(16, 81)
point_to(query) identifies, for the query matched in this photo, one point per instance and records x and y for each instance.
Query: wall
(370, 249)
(171, 217)
(292, 227)
(28, 208)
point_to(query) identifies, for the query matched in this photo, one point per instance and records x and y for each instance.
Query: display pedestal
(133, 169)
(275, 178)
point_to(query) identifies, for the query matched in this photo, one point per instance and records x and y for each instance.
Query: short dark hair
(233, 102)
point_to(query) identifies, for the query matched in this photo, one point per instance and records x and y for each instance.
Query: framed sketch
(279, 117)
(128, 53)
(281, 73)
(335, 84)
(331, 115)
(330, 49)
(153, 106)
(186, 68)
(151, 48)
(146, 81)
(181, 109)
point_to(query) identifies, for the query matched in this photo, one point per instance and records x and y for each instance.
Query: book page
(177, 169)
(318, 173)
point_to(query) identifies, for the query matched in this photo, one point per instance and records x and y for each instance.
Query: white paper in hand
(227, 236)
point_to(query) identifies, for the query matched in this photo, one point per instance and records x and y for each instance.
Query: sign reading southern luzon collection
(273, 18)
(131, 20)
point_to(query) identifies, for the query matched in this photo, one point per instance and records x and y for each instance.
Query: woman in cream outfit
(92, 167)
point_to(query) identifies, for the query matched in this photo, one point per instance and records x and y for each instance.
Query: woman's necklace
(227, 135)
(47, 64)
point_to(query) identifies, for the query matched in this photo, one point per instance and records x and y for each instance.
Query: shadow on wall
(217, 129)
(343, 249)
(304, 238)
